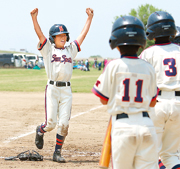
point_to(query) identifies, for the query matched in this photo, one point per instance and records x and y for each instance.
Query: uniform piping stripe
(59, 140)
(130, 57)
(97, 93)
(163, 43)
(42, 44)
(46, 104)
(59, 143)
(77, 44)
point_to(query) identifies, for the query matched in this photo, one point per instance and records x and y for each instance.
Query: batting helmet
(127, 30)
(177, 37)
(58, 29)
(160, 24)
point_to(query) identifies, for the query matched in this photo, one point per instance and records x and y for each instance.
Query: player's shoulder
(110, 64)
(146, 63)
(176, 45)
(72, 45)
(148, 50)
(113, 62)
(46, 44)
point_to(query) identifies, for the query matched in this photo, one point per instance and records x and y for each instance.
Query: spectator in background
(99, 65)
(87, 64)
(82, 62)
(74, 62)
(29, 66)
(79, 62)
(36, 62)
(25, 66)
(95, 62)
(105, 62)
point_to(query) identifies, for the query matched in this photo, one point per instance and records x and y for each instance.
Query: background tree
(143, 12)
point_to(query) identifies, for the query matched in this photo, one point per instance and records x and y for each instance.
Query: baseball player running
(58, 60)
(128, 87)
(165, 58)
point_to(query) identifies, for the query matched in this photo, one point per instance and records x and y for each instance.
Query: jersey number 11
(138, 97)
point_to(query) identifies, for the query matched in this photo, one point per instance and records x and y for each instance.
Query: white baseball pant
(166, 119)
(134, 143)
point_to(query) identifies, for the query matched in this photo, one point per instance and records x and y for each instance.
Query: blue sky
(17, 30)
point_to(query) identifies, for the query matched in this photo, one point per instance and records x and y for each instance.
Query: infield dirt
(20, 113)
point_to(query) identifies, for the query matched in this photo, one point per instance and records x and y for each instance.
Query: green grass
(29, 80)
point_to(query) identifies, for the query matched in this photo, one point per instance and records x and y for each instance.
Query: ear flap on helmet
(68, 38)
(51, 39)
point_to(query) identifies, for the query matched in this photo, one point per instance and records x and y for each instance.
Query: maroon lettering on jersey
(58, 59)
(55, 58)
(97, 83)
(61, 29)
(66, 59)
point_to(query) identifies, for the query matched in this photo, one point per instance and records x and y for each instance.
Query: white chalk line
(26, 134)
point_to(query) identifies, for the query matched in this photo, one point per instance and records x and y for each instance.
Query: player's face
(60, 40)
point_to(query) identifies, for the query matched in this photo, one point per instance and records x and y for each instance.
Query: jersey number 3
(138, 97)
(171, 62)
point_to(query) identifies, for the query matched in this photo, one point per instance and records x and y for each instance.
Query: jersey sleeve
(102, 85)
(74, 48)
(44, 48)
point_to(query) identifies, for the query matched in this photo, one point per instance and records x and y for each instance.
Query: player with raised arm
(165, 58)
(58, 60)
(128, 88)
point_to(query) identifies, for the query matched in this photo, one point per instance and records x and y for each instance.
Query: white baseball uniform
(129, 85)
(58, 99)
(165, 58)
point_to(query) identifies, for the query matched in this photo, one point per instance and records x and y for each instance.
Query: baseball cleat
(58, 158)
(39, 139)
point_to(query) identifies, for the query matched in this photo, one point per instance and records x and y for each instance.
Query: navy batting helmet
(177, 37)
(58, 29)
(127, 30)
(160, 24)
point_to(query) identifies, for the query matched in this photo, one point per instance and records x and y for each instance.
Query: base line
(26, 134)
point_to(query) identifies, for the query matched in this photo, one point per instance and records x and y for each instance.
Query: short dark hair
(129, 49)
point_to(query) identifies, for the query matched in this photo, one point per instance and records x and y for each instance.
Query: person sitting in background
(36, 62)
(25, 66)
(30, 66)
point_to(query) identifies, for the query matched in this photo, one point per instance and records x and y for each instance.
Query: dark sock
(59, 142)
(161, 165)
(41, 131)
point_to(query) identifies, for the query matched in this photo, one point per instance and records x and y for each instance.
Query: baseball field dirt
(20, 113)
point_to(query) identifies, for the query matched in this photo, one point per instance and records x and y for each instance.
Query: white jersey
(128, 84)
(165, 58)
(58, 62)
